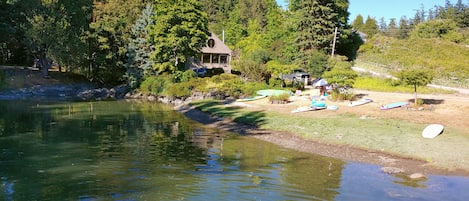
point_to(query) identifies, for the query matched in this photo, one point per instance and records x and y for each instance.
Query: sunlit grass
(393, 136)
(388, 85)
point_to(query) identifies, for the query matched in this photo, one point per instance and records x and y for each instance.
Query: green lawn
(398, 137)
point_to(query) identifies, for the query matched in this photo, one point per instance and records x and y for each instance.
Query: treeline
(450, 22)
(114, 41)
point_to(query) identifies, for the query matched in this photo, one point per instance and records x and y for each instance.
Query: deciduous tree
(180, 31)
(416, 77)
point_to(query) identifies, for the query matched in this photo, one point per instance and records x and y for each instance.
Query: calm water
(145, 151)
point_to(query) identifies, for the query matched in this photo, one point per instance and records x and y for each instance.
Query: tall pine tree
(315, 34)
(139, 65)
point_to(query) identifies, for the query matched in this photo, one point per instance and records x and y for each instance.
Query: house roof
(218, 46)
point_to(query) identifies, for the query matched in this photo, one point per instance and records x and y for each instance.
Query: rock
(417, 176)
(392, 170)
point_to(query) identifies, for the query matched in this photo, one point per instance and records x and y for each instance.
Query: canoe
(432, 130)
(272, 92)
(393, 105)
(360, 102)
(306, 108)
(250, 98)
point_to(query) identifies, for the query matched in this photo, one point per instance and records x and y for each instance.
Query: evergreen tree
(180, 32)
(139, 65)
(403, 28)
(358, 23)
(383, 27)
(392, 28)
(371, 27)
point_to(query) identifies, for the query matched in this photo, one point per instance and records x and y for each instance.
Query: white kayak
(360, 102)
(432, 130)
(306, 108)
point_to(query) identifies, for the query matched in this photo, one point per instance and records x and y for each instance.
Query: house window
(211, 43)
(206, 58)
(215, 58)
(223, 59)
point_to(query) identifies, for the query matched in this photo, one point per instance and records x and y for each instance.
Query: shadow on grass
(236, 113)
(429, 101)
(359, 96)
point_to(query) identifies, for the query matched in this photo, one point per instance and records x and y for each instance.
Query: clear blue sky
(387, 8)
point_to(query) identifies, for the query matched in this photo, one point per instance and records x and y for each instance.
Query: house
(215, 54)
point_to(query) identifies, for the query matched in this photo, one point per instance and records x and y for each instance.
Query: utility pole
(333, 43)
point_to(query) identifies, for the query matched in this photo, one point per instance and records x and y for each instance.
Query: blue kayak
(393, 105)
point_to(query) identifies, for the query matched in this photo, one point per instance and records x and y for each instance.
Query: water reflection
(145, 151)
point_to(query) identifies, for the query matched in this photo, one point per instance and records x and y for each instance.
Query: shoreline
(396, 164)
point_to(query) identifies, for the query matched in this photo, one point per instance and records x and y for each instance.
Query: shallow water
(145, 151)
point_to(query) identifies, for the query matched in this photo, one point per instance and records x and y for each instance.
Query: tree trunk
(44, 63)
(415, 95)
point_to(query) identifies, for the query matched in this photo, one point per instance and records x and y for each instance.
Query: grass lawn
(392, 136)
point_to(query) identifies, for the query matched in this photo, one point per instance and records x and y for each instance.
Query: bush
(341, 94)
(187, 75)
(281, 98)
(276, 82)
(156, 84)
(179, 90)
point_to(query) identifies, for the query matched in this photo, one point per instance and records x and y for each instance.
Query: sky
(387, 8)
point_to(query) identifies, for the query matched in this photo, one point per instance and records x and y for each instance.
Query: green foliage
(179, 32)
(156, 84)
(370, 27)
(438, 29)
(108, 38)
(358, 22)
(348, 44)
(415, 77)
(139, 64)
(188, 75)
(284, 97)
(390, 85)
(437, 55)
(230, 85)
(377, 84)
(276, 82)
(341, 77)
(316, 26)
(340, 94)
(250, 70)
(179, 90)
(275, 68)
(314, 61)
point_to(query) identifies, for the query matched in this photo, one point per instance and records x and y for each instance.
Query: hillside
(448, 60)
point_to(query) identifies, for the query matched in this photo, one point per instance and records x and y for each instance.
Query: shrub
(187, 75)
(156, 84)
(276, 82)
(282, 98)
(179, 90)
(340, 94)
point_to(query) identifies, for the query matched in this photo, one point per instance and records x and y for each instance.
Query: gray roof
(218, 48)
